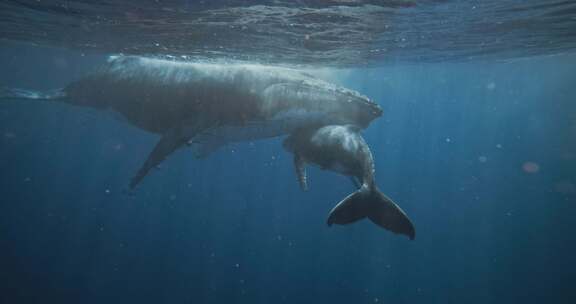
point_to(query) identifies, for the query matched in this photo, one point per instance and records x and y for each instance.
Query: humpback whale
(342, 149)
(206, 105)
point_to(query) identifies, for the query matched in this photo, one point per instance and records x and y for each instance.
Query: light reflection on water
(328, 33)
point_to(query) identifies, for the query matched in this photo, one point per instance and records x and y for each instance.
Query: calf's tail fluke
(369, 202)
(15, 93)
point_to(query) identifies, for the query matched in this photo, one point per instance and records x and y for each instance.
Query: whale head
(356, 108)
(332, 104)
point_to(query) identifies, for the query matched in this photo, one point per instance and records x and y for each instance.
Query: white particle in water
(482, 159)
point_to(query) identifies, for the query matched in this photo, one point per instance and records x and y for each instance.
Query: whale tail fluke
(15, 93)
(371, 203)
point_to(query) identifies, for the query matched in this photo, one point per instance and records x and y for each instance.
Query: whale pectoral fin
(170, 142)
(300, 166)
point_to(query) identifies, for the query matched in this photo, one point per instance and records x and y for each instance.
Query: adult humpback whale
(206, 105)
(342, 149)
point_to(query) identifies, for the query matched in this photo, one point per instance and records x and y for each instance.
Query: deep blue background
(235, 228)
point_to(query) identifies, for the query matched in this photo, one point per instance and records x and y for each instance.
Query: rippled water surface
(331, 33)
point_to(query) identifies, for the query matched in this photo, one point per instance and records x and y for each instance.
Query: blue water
(480, 154)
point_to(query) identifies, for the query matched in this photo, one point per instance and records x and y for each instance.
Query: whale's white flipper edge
(300, 166)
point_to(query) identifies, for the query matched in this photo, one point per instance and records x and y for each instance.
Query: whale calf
(342, 149)
(206, 105)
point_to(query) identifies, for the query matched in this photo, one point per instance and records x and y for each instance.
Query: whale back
(156, 94)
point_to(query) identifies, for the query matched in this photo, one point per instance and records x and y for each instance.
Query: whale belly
(281, 124)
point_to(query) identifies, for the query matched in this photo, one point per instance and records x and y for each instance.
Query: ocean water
(477, 144)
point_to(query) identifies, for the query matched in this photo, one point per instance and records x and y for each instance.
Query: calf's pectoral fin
(300, 166)
(170, 142)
